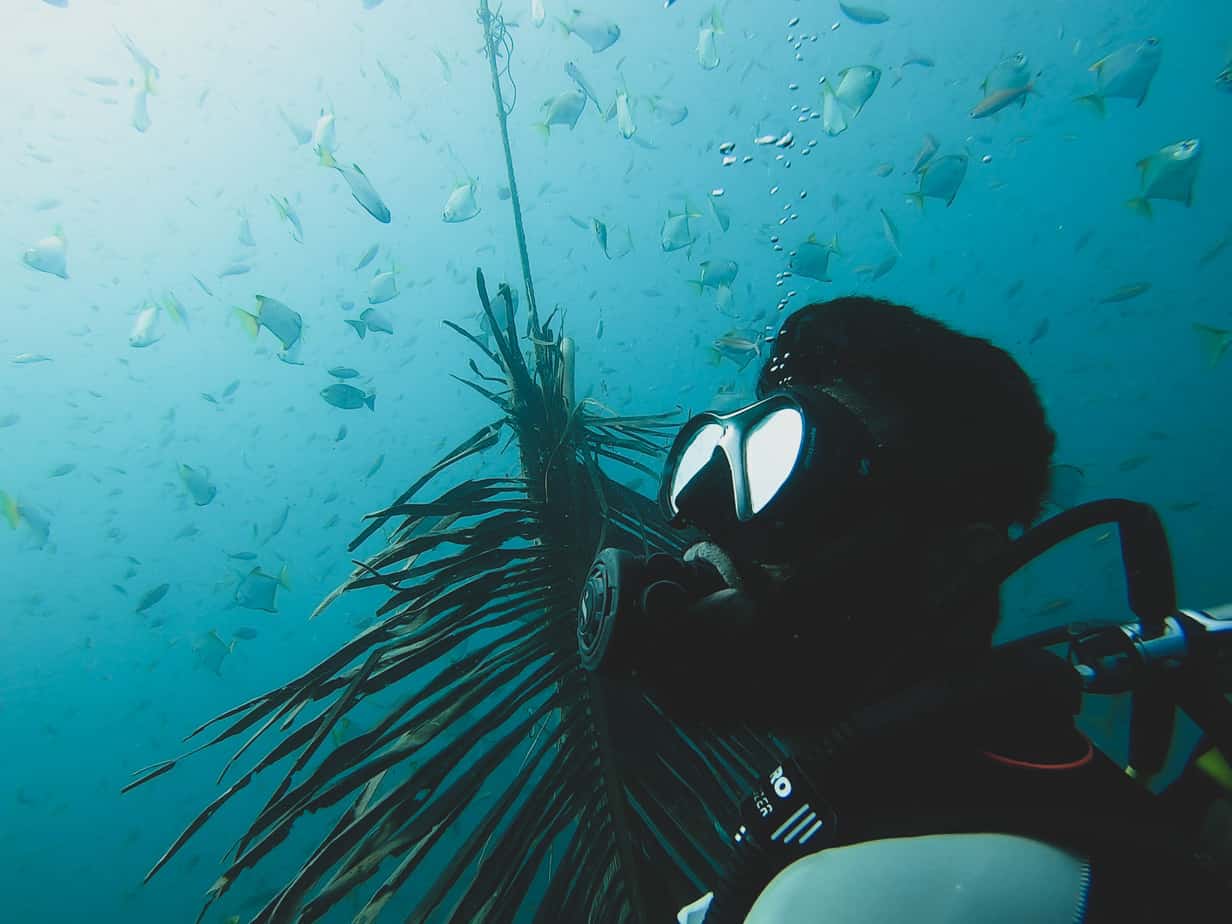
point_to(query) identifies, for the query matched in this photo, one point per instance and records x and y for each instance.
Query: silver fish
(461, 205)
(1009, 74)
(716, 273)
(361, 187)
(928, 147)
(257, 591)
(856, 86)
(197, 483)
(281, 321)
(865, 15)
(1169, 173)
(596, 31)
(675, 233)
(287, 213)
(368, 256)
(583, 84)
(812, 258)
(564, 109)
(209, 651)
(940, 179)
(1224, 80)
(348, 397)
(1126, 73)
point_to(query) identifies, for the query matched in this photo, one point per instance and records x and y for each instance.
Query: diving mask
(759, 477)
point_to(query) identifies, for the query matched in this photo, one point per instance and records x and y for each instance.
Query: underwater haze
(233, 231)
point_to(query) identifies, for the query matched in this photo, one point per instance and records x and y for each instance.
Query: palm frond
(503, 779)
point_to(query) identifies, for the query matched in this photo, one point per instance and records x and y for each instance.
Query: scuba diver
(856, 522)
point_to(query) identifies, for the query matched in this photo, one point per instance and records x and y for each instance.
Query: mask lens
(771, 450)
(694, 458)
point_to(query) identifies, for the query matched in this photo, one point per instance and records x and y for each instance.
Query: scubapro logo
(781, 784)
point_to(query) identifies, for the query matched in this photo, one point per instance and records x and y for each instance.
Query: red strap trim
(1034, 765)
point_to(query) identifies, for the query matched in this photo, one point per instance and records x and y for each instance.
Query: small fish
(9, 420)
(61, 470)
(287, 214)
(141, 112)
(151, 596)
(537, 15)
(368, 257)
(1224, 80)
(883, 170)
(1214, 343)
(812, 258)
(324, 133)
(209, 651)
(348, 397)
(302, 134)
(391, 79)
(670, 112)
(143, 333)
(461, 205)
(928, 147)
(234, 269)
(876, 271)
(446, 70)
(576, 75)
(675, 233)
(833, 118)
(344, 372)
(257, 590)
(231, 389)
(940, 178)
(1126, 73)
(718, 211)
(382, 288)
(50, 255)
(187, 532)
(247, 633)
(204, 287)
(280, 320)
(890, 231)
(999, 99)
(856, 86)
(865, 15)
(1216, 249)
(1169, 173)
(341, 435)
(244, 235)
(624, 116)
(371, 320)
(708, 45)
(375, 466)
(242, 556)
(564, 109)
(716, 274)
(197, 483)
(27, 359)
(1041, 328)
(1126, 292)
(1010, 74)
(739, 346)
(1133, 462)
(362, 189)
(596, 31)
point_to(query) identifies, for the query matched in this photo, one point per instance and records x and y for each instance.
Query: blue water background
(90, 691)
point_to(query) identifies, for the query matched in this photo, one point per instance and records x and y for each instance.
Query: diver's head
(885, 452)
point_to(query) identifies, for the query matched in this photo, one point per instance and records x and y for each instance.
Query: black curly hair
(966, 413)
